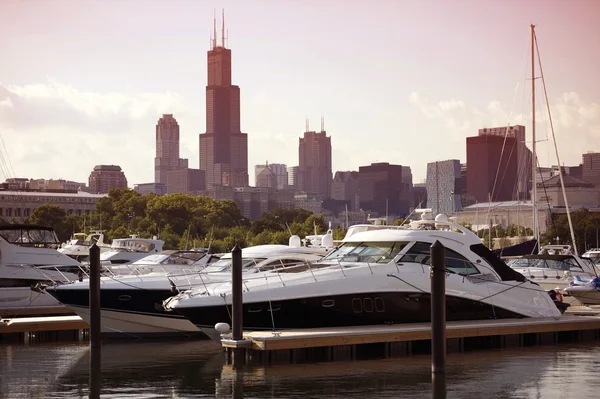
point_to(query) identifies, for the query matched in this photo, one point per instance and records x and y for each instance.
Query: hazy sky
(84, 82)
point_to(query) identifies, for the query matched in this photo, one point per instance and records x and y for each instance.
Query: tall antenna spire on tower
(322, 123)
(214, 41)
(223, 29)
(307, 127)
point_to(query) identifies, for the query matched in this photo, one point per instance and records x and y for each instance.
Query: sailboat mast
(533, 152)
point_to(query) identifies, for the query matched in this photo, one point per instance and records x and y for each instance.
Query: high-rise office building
(167, 148)
(381, 189)
(492, 168)
(345, 188)
(315, 172)
(293, 177)
(271, 175)
(223, 148)
(444, 186)
(591, 168)
(106, 177)
(522, 158)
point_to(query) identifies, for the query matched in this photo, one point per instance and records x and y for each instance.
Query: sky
(83, 82)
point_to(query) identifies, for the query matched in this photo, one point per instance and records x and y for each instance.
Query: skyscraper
(523, 155)
(167, 148)
(444, 186)
(492, 168)
(223, 148)
(314, 173)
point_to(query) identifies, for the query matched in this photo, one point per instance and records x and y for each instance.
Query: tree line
(186, 221)
(181, 221)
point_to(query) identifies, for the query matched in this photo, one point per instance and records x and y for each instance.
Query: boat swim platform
(350, 343)
(42, 329)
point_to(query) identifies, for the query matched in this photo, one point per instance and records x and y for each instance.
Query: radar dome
(295, 241)
(222, 327)
(327, 241)
(442, 217)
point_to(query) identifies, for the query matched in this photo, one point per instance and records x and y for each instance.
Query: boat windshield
(223, 265)
(366, 252)
(24, 236)
(556, 262)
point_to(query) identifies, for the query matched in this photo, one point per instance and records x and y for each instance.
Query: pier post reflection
(438, 380)
(95, 367)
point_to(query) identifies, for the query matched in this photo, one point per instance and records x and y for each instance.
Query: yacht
(165, 262)
(554, 268)
(28, 259)
(593, 254)
(586, 292)
(132, 305)
(127, 250)
(375, 277)
(78, 247)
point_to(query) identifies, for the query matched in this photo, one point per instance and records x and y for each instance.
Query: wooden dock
(44, 328)
(397, 340)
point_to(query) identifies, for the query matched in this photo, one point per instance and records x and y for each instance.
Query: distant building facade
(315, 170)
(148, 188)
(523, 155)
(106, 177)
(274, 175)
(293, 177)
(223, 148)
(591, 168)
(492, 168)
(444, 186)
(19, 205)
(167, 148)
(345, 188)
(381, 190)
(185, 181)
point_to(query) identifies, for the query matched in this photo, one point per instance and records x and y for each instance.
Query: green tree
(52, 216)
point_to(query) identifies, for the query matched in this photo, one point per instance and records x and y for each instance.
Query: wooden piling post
(438, 308)
(237, 305)
(94, 302)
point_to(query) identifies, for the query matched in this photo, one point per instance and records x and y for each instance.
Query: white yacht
(78, 247)
(27, 259)
(375, 277)
(555, 267)
(127, 250)
(132, 305)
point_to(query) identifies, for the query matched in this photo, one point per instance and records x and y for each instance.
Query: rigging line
(560, 175)
(227, 308)
(507, 289)
(514, 100)
(547, 202)
(10, 171)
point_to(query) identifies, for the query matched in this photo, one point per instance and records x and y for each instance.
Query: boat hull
(21, 301)
(585, 294)
(128, 312)
(120, 324)
(343, 311)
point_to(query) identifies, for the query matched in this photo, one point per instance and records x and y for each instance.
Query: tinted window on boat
(505, 272)
(367, 252)
(455, 262)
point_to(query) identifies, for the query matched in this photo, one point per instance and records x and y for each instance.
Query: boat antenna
(223, 28)
(288, 227)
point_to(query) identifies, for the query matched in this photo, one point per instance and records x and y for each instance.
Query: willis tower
(223, 148)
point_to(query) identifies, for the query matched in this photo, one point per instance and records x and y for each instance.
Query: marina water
(196, 369)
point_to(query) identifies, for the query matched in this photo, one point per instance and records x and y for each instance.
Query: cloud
(576, 124)
(55, 104)
(61, 131)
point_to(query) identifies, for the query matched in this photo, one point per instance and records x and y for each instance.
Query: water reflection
(196, 369)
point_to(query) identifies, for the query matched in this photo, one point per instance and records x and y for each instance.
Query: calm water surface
(195, 369)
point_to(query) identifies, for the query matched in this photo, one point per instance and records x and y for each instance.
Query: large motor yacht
(376, 277)
(78, 247)
(127, 250)
(132, 305)
(28, 258)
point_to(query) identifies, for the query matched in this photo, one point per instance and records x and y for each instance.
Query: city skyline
(442, 76)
